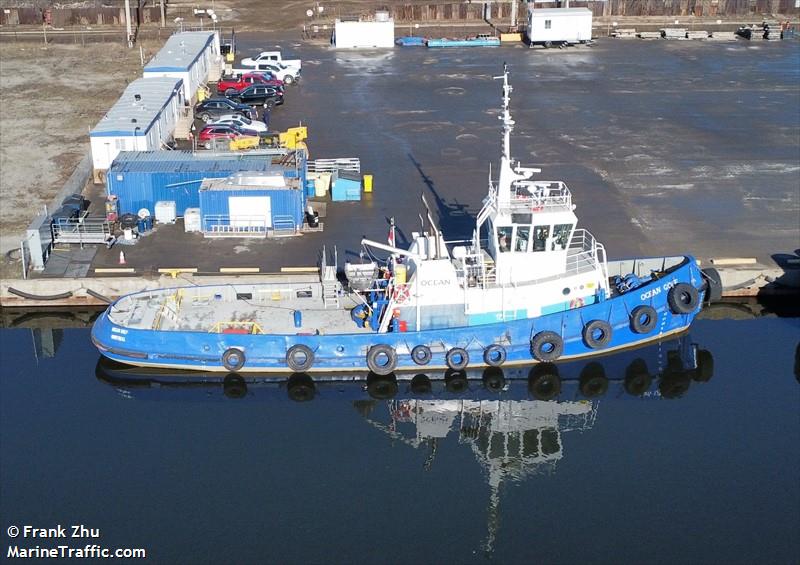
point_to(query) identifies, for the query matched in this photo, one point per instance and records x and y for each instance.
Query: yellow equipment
(245, 142)
(293, 137)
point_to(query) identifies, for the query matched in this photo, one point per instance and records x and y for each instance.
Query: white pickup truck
(273, 57)
(281, 72)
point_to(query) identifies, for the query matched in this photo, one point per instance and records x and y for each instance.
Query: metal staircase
(330, 284)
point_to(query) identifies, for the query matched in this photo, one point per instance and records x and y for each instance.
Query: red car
(231, 84)
(211, 132)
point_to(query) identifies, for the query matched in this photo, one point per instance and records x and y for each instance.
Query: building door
(250, 211)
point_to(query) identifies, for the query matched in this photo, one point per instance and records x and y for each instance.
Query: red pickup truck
(231, 84)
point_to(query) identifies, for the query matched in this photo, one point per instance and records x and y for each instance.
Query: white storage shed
(142, 119)
(193, 56)
(559, 26)
(356, 33)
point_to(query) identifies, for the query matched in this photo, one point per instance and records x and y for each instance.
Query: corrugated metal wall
(475, 11)
(140, 180)
(60, 17)
(289, 203)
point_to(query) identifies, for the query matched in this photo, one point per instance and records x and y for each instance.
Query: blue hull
(203, 351)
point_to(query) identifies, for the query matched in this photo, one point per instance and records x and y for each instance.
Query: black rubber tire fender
(493, 379)
(233, 359)
(374, 354)
(299, 358)
(591, 331)
(683, 298)
(495, 355)
(457, 359)
(547, 346)
(644, 319)
(421, 354)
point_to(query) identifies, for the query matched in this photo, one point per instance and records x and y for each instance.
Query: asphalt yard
(667, 147)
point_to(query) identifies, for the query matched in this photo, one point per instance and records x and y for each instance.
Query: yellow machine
(293, 138)
(246, 142)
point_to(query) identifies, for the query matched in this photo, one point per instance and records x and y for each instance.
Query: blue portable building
(139, 179)
(252, 203)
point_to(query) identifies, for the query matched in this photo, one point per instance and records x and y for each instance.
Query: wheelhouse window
(523, 236)
(540, 235)
(504, 234)
(561, 235)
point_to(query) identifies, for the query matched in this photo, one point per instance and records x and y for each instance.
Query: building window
(547, 24)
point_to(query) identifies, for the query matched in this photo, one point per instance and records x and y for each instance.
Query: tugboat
(528, 287)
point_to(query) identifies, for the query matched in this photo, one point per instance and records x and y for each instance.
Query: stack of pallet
(624, 33)
(697, 35)
(673, 33)
(650, 35)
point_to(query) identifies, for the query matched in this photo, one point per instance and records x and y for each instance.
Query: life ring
(457, 358)
(400, 293)
(597, 334)
(455, 381)
(547, 346)
(301, 387)
(233, 386)
(421, 384)
(493, 379)
(374, 356)
(495, 355)
(593, 381)
(637, 378)
(576, 303)
(683, 298)
(299, 358)
(382, 387)
(233, 359)
(644, 319)
(421, 354)
(544, 382)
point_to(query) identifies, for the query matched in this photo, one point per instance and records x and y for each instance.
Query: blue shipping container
(141, 178)
(287, 205)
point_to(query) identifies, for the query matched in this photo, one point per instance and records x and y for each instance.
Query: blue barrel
(298, 318)
(145, 224)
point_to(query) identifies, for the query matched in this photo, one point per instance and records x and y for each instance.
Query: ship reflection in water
(513, 420)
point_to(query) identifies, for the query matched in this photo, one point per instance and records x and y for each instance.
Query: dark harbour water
(703, 467)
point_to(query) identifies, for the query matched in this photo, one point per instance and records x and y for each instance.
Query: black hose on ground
(29, 296)
(99, 296)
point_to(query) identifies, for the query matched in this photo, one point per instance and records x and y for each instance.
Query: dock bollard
(367, 183)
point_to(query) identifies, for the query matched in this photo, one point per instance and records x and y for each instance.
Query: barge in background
(527, 287)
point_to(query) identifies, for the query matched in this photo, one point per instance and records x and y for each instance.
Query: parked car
(217, 107)
(243, 123)
(272, 57)
(259, 95)
(279, 71)
(230, 84)
(221, 131)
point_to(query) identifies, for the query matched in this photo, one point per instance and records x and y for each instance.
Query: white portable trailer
(559, 26)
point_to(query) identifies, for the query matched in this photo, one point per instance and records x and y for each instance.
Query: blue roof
(129, 113)
(186, 161)
(180, 51)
